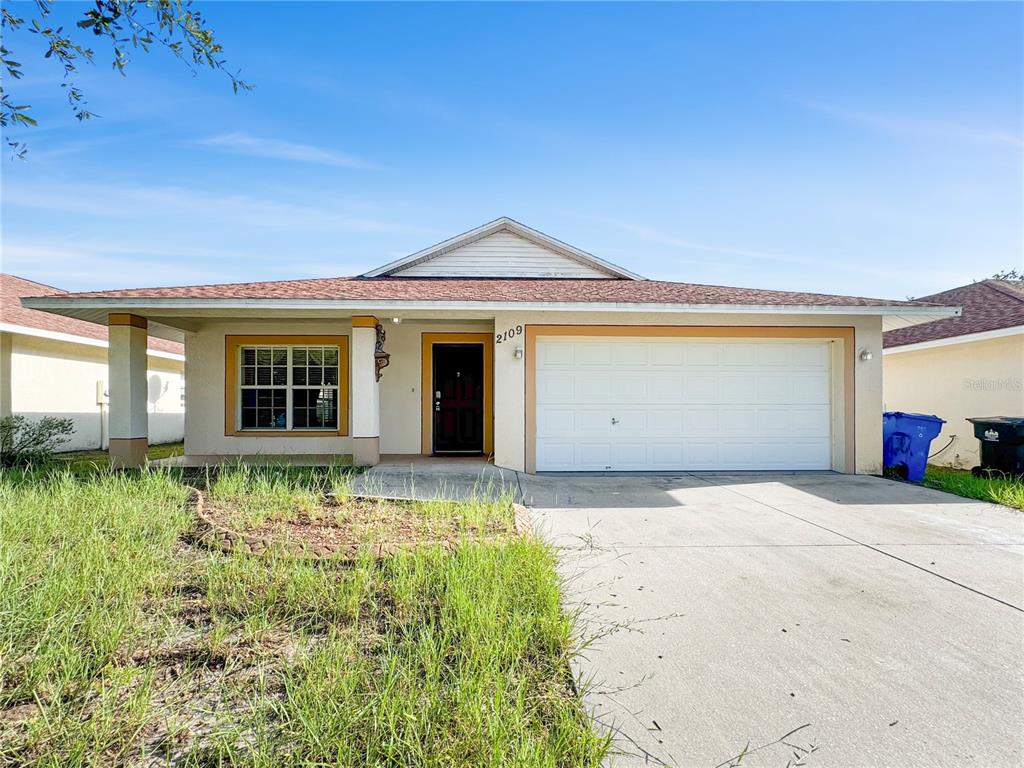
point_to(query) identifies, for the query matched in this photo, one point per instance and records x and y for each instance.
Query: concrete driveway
(732, 609)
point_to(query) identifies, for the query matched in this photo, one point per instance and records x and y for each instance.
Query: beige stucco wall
(953, 382)
(399, 387)
(58, 378)
(400, 395)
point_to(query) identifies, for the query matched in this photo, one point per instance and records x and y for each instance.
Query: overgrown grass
(88, 462)
(77, 560)
(999, 490)
(122, 645)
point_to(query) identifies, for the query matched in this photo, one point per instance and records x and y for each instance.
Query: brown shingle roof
(988, 306)
(11, 311)
(495, 290)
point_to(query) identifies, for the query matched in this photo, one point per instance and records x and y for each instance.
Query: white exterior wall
(502, 254)
(58, 378)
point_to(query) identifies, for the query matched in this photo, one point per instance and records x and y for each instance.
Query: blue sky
(873, 149)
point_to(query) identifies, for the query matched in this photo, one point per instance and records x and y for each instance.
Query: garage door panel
(683, 404)
(630, 455)
(593, 387)
(557, 454)
(555, 387)
(784, 454)
(815, 356)
(553, 353)
(736, 389)
(555, 421)
(591, 422)
(666, 354)
(592, 354)
(665, 422)
(629, 387)
(701, 422)
(739, 355)
(702, 355)
(665, 388)
(810, 388)
(630, 354)
(701, 454)
(738, 454)
(630, 422)
(736, 421)
(701, 387)
(593, 454)
(774, 356)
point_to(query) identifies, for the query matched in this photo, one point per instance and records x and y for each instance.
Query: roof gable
(503, 248)
(988, 305)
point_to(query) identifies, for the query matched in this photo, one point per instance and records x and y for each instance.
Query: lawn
(999, 490)
(91, 461)
(123, 643)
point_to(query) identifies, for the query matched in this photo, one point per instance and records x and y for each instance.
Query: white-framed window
(288, 387)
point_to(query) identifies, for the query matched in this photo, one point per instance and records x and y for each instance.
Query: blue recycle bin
(906, 438)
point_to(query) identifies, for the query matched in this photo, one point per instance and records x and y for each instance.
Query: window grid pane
(289, 388)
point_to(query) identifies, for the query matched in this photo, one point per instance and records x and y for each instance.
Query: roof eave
(897, 316)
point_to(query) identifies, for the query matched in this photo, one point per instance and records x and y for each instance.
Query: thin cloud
(277, 149)
(850, 265)
(139, 202)
(918, 128)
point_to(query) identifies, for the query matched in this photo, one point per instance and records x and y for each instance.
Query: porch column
(126, 381)
(365, 393)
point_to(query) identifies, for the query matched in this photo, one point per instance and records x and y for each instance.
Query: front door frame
(428, 340)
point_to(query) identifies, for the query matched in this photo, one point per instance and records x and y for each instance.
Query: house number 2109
(506, 335)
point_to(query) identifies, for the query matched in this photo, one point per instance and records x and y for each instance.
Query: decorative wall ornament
(380, 358)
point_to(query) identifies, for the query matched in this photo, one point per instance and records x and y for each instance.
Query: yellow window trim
(231, 345)
(427, 385)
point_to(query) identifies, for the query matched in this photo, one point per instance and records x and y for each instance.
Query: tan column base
(127, 452)
(365, 451)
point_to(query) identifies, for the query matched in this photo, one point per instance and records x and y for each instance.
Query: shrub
(24, 442)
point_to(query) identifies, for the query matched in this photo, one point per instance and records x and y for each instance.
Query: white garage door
(672, 404)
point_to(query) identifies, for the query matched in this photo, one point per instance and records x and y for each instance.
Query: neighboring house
(961, 367)
(506, 342)
(57, 366)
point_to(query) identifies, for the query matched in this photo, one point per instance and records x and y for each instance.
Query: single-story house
(51, 365)
(506, 342)
(961, 367)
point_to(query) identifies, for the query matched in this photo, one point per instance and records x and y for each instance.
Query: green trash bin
(1002, 444)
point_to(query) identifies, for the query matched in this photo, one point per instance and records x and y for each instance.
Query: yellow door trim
(838, 333)
(427, 342)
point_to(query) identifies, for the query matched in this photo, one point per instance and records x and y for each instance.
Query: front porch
(399, 386)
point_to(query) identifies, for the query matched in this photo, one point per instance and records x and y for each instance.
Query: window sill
(286, 433)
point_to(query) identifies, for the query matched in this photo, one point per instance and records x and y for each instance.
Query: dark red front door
(458, 399)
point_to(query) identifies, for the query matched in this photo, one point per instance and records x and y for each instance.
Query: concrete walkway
(731, 609)
(432, 478)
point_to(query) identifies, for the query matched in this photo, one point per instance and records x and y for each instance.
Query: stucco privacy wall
(399, 387)
(954, 382)
(509, 373)
(58, 378)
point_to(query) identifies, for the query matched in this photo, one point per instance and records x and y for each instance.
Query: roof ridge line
(998, 286)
